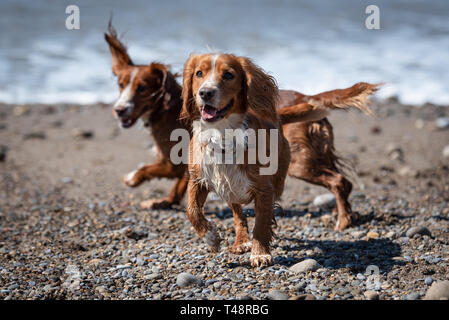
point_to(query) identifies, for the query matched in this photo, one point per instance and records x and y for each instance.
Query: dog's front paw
(132, 179)
(212, 237)
(261, 260)
(155, 204)
(241, 248)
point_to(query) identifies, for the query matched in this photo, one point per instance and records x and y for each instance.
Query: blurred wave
(308, 46)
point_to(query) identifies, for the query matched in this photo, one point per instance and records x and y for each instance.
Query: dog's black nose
(207, 93)
(120, 111)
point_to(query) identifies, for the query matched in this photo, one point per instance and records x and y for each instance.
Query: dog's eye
(141, 88)
(121, 85)
(228, 76)
(199, 74)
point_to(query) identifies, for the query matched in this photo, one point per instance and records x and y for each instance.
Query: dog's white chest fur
(228, 181)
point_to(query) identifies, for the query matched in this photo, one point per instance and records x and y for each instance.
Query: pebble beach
(70, 229)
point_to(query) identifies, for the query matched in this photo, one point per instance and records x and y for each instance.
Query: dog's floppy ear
(260, 89)
(119, 54)
(167, 85)
(188, 101)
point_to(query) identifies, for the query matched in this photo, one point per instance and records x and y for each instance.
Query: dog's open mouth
(127, 123)
(211, 114)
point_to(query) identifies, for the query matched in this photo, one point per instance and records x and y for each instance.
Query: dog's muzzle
(123, 113)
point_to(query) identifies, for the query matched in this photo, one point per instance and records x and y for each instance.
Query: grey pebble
(371, 295)
(305, 266)
(325, 201)
(412, 296)
(442, 123)
(445, 151)
(439, 290)
(360, 276)
(312, 287)
(244, 297)
(66, 180)
(277, 295)
(140, 261)
(417, 230)
(13, 287)
(186, 279)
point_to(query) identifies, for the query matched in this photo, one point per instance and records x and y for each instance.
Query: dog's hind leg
(333, 181)
(242, 243)
(314, 160)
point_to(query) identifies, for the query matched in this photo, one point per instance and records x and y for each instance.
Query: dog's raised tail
(317, 107)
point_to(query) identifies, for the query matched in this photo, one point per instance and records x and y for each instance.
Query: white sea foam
(308, 47)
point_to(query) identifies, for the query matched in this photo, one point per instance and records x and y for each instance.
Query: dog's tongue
(208, 112)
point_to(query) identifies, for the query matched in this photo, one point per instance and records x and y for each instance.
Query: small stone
(66, 180)
(439, 290)
(372, 235)
(446, 151)
(135, 234)
(442, 123)
(428, 281)
(21, 111)
(305, 266)
(303, 297)
(325, 201)
(82, 134)
(300, 285)
(407, 171)
(13, 287)
(102, 290)
(419, 124)
(277, 295)
(390, 234)
(122, 266)
(47, 287)
(186, 279)
(361, 276)
(371, 295)
(153, 276)
(358, 234)
(95, 262)
(376, 130)
(395, 152)
(412, 296)
(244, 297)
(3, 152)
(35, 135)
(311, 287)
(418, 230)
